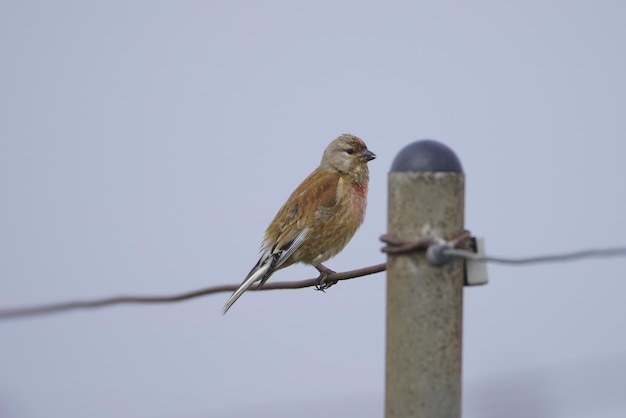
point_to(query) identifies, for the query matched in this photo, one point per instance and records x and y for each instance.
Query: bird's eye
(350, 151)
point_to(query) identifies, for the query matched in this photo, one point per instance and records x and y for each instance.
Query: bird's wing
(312, 200)
(280, 255)
(316, 194)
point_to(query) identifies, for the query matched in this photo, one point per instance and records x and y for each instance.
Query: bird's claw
(323, 282)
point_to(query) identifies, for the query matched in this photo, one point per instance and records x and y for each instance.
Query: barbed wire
(439, 252)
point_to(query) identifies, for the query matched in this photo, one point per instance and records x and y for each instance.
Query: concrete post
(424, 303)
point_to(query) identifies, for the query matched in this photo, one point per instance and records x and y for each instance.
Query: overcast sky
(145, 146)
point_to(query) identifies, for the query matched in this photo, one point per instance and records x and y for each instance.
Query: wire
(437, 254)
(573, 256)
(328, 280)
(440, 252)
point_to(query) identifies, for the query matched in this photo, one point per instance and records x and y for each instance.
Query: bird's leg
(323, 282)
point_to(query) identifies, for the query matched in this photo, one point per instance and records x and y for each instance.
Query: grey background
(145, 146)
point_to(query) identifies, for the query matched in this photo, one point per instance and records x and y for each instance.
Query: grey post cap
(426, 155)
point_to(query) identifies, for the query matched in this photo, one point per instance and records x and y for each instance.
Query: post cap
(426, 155)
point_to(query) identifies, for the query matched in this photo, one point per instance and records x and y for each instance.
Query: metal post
(424, 303)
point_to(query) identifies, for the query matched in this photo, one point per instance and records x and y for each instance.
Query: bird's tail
(262, 270)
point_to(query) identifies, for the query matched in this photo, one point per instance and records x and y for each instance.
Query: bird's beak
(368, 155)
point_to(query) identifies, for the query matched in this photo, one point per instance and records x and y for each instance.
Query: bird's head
(347, 154)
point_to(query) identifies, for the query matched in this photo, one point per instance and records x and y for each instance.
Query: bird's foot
(323, 282)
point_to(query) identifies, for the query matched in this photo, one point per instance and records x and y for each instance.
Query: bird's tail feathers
(262, 270)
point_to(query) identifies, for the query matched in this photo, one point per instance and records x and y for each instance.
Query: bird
(319, 218)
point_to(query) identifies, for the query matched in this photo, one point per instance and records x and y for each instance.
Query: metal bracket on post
(424, 302)
(476, 271)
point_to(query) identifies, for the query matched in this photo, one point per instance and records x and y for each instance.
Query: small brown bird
(320, 216)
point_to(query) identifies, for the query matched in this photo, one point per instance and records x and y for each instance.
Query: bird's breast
(359, 197)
